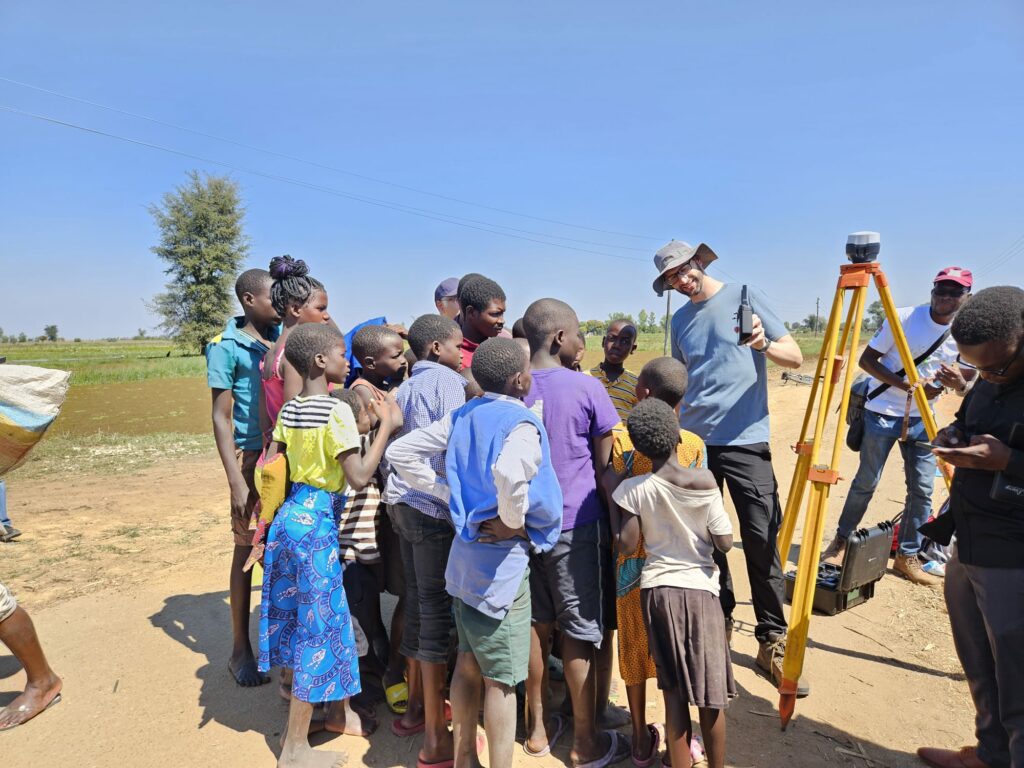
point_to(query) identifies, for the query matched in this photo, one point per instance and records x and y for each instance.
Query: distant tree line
(645, 322)
(873, 319)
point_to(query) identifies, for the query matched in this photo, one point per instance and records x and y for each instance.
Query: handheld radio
(745, 318)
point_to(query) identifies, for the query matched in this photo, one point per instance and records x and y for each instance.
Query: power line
(1015, 250)
(326, 167)
(423, 213)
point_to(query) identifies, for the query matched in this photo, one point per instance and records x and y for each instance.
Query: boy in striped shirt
(619, 342)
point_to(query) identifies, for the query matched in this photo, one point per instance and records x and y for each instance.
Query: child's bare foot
(243, 668)
(316, 725)
(304, 756)
(34, 700)
(342, 717)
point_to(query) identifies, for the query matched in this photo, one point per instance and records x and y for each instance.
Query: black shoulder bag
(860, 396)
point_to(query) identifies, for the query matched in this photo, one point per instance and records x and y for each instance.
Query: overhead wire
(324, 166)
(1004, 258)
(412, 210)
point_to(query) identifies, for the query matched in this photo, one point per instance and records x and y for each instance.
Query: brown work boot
(950, 758)
(769, 658)
(835, 552)
(909, 567)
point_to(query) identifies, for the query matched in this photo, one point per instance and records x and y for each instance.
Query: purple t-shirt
(575, 409)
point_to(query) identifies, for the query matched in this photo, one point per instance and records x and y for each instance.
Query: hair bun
(283, 267)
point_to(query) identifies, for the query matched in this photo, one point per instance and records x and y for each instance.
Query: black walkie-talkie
(745, 318)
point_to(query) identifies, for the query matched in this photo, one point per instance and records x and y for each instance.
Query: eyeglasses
(950, 293)
(1002, 371)
(671, 277)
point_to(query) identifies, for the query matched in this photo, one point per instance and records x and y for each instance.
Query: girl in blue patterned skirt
(305, 624)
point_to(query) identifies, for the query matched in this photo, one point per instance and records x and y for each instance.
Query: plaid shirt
(431, 393)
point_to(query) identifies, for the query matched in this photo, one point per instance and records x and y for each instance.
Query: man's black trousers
(747, 471)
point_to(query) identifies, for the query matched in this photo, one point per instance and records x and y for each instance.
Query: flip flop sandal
(52, 703)
(652, 755)
(397, 696)
(618, 750)
(561, 722)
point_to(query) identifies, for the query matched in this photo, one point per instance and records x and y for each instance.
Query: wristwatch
(767, 343)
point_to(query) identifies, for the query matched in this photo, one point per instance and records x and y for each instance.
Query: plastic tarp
(30, 399)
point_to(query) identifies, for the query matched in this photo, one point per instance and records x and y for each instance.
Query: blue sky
(768, 131)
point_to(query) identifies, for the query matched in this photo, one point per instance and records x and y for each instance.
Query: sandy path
(125, 579)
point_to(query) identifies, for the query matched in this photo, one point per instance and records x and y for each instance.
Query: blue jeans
(880, 432)
(4, 519)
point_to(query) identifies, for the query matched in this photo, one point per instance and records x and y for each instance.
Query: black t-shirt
(989, 533)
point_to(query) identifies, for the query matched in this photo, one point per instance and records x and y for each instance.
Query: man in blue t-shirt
(727, 406)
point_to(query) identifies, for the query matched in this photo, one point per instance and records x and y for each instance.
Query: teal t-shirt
(726, 402)
(233, 362)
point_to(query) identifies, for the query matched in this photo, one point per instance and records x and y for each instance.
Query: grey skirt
(686, 630)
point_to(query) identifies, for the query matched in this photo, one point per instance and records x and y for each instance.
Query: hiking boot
(909, 567)
(835, 552)
(7, 533)
(769, 659)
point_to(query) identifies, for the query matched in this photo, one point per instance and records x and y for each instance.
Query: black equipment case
(852, 583)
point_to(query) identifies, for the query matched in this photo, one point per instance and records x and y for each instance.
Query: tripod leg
(803, 600)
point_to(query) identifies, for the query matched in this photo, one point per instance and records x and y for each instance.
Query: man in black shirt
(985, 578)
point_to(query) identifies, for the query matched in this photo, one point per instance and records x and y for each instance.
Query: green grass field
(104, 362)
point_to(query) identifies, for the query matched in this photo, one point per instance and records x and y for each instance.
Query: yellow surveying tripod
(837, 353)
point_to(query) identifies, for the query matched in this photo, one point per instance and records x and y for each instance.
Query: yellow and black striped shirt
(622, 391)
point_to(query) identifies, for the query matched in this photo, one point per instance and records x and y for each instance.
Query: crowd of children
(518, 509)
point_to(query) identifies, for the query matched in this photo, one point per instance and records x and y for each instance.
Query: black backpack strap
(917, 361)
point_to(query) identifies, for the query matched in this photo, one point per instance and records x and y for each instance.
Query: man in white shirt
(890, 407)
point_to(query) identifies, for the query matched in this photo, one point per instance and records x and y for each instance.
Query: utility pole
(817, 314)
(668, 319)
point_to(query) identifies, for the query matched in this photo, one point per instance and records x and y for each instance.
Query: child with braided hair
(298, 298)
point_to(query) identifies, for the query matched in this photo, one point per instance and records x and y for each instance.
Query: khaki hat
(675, 254)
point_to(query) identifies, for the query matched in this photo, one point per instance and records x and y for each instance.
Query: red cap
(955, 275)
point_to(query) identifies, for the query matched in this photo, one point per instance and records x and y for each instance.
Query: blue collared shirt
(431, 392)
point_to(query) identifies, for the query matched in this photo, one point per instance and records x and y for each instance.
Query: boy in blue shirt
(232, 371)
(504, 499)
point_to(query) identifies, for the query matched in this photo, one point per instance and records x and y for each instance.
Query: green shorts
(501, 646)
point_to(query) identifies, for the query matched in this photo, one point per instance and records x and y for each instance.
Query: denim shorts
(567, 583)
(425, 543)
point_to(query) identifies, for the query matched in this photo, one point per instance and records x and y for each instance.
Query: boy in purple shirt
(566, 582)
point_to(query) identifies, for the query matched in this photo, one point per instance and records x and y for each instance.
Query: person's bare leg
(537, 691)
(42, 685)
(580, 673)
(609, 716)
(396, 661)
(678, 730)
(296, 752)
(242, 662)
(712, 728)
(636, 695)
(284, 688)
(414, 710)
(437, 739)
(499, 723)
(465, 709)
(342, 717)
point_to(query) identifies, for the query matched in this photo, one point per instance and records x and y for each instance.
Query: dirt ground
(125, 577)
